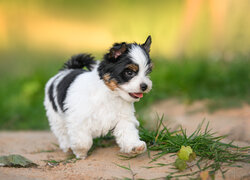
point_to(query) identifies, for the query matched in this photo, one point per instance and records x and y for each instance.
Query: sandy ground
(233, 122)
(101, 164)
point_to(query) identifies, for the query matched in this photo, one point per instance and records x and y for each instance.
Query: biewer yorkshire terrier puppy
(88, 98)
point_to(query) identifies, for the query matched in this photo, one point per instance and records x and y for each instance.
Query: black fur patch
(150, 67)
(51, 96)
(117, 68)
(63, 86)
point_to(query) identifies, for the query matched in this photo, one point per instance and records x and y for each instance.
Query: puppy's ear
(117, 50)
(147, 44)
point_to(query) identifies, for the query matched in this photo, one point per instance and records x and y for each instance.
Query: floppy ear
(117, 50)
(147, 44)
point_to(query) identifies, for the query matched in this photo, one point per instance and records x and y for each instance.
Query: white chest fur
(91, 105)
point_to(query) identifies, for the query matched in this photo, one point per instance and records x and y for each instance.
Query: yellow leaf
(185, 152)
(180, 164)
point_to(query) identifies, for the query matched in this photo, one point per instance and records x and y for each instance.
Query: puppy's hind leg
(58, 127)
(81, 142)
(80, 139)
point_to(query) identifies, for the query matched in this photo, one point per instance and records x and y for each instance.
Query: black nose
(143, 86)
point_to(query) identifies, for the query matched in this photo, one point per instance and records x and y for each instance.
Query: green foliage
(180, 164)
(185, 154)
(213, 154)
(22, 89)
(22, 103)
(22, 84)
(70, 159)
(195, 79)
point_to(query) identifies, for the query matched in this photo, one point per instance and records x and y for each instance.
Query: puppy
(87, 98)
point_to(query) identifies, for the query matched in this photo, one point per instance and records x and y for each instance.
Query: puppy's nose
(143, 86)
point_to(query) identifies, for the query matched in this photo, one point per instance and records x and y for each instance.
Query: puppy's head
(125, 69)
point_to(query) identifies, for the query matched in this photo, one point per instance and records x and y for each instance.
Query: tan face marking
(111, 83)
(133, 67)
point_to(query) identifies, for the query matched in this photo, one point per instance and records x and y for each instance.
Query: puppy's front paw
(139, 149)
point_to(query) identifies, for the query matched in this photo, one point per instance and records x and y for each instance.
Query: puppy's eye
(129, 73)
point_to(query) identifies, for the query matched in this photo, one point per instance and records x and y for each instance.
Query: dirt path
(99, 165)
(233, 122)
(40, 146)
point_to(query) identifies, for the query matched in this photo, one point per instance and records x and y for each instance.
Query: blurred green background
(200, 49)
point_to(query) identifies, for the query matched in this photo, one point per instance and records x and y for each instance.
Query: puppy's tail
(80, 61)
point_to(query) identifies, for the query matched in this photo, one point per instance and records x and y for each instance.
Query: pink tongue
(139, 95)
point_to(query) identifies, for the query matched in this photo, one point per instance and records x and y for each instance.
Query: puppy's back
(57, 87)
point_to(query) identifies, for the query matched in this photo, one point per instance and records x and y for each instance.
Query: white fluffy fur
(93, 110)
(139, 57)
